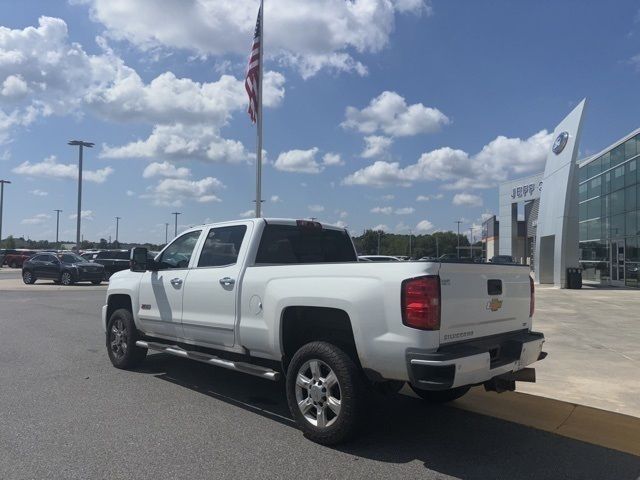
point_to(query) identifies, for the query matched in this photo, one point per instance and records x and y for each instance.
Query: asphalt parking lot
(67, 413)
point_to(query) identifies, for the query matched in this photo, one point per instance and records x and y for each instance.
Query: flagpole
(259, 123)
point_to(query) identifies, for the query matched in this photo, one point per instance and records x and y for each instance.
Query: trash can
(574, 278)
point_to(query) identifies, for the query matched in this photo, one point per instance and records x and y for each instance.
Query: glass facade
(609, 215)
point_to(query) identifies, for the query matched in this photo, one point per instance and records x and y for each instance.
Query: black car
(112, 260)
(66, 268)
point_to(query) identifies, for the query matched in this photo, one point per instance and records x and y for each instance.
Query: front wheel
(28, 278)
(66, 279)
(441, 396)
(121, 340)
(326, 393)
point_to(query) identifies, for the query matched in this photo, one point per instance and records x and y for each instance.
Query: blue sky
(401, 113)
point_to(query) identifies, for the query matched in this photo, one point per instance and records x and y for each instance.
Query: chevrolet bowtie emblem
(494, 305)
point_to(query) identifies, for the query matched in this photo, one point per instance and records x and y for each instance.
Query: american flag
(253, 72)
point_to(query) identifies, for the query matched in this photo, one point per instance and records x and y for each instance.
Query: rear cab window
(291, 244)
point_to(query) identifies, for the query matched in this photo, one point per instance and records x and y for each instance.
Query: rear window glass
(121, 255)
(287, 244)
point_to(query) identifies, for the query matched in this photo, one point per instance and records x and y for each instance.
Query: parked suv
(112, 260)
(17, 257)
(66, 268)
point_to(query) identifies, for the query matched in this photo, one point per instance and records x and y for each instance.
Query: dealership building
(582, 213)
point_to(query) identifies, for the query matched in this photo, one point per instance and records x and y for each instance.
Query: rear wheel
(66, 279)
(441, 396)
(28, 278)
(121, 340)
(326, 393)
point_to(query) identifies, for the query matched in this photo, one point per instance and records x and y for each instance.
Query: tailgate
(479, 300)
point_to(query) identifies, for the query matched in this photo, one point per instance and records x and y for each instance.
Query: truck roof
(272, 221)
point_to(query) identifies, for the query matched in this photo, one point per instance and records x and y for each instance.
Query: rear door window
(289, 244)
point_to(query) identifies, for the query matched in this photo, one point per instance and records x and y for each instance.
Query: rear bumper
(473, 362)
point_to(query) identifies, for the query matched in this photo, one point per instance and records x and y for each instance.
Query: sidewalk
(593, 341)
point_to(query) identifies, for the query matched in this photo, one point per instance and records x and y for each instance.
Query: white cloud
(38, 219)
(390, 114)
(376, 146)
(316, 208)
(308, 35)
(14, 86)
(388, 197)
(467, 199)
(404, 211)
(486, 216)
(49, 167)
(38, 193)
(342, 213)
(331, 159)
(382, 210)
(247, 214)
(84, 215)
(426, 198)
(175, 191)
(275, 199)
(165, 169)
(493, 164)
(130, 193)
(46, 74)
(424, 226)
(382, 227)
(179, 142)
(300, 161)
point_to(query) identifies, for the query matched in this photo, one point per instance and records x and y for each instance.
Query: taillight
(420, 300)
(532, 300)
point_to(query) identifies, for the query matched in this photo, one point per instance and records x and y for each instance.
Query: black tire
(107, 276)
(441, 396)
(122, 349)
(13, 264)
(28, 278)
(351, 388)
(66, 279)
(96, 282)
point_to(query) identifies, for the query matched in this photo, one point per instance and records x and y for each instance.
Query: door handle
(226, 281)
(176, 282)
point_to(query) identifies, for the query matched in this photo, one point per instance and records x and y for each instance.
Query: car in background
(377, 258)
(17, 257)
(66, 268)
(112, 260)
(502, 259)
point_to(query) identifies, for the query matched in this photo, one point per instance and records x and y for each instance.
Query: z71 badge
(494, 305)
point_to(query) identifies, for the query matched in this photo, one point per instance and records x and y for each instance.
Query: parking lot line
(599, 427)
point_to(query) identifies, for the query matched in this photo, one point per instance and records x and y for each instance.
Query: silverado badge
(494, 305)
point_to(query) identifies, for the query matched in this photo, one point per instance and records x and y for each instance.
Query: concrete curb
(599, 427)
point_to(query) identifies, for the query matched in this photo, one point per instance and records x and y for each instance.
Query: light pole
(2, 182)
(117, 227)
(57, 226)
(458, 222)
(166, 233)
(176, 224)
(81, 144)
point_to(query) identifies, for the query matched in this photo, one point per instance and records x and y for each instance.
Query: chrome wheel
(27, 278)
(118, 339)
(66, 279)
(318, 393)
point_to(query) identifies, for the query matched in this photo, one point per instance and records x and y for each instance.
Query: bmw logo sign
(560, 143)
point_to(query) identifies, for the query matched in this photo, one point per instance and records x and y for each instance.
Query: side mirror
(139, 260)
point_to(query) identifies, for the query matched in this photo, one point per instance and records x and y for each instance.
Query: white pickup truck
(272, 297)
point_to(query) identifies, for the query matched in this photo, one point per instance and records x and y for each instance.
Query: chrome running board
(243, 367)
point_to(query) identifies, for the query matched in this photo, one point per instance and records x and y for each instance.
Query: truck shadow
(402, 429)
